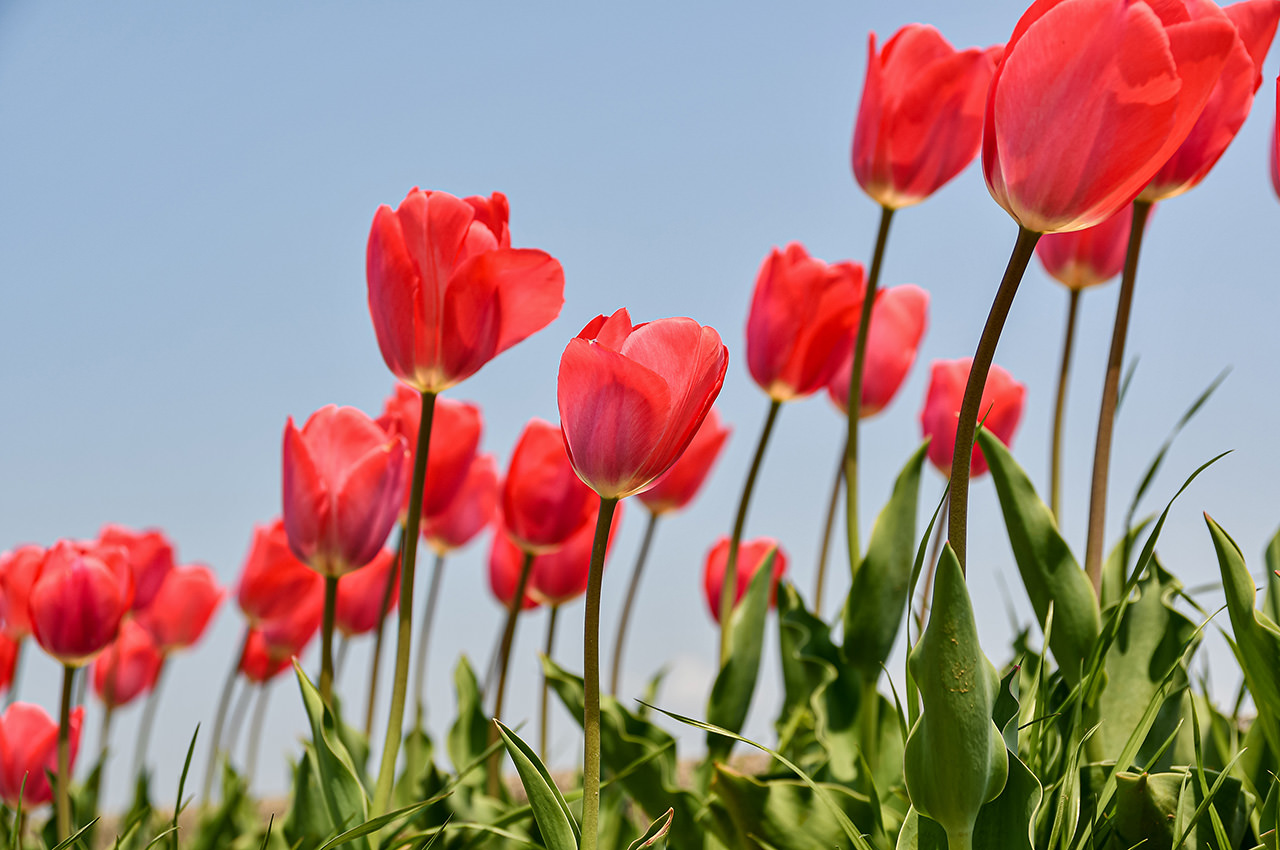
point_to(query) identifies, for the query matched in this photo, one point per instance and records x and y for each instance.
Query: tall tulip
(751, 555)
(29, 752)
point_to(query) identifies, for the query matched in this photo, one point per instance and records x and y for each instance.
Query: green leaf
(656, 834)
(1271, 605)
(785, 814)
(182, 783)
(341, 794)
(1115, 569)
(469, 735)
(374, 824)
(555, 821)
(1049, 571)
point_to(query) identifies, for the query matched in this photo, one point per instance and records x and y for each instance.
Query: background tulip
(679, 484)
(472, 508)
(273, 582)
(8, 661)
(898, 321)
(544, 502)
(1000, 411)
(183, 607)
(447, 293)
(19, 569)
(360, 594)
(79, 599)
(263, 661)
(128, 668)
(1082, 258)
(455, 436)
(150, 556)
(29, 752)
(505, 561)
(561, 576)
(751, 555)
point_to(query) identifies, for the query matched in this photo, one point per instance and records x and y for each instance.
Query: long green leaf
(342, 795)
(555, 821)
(656, 834)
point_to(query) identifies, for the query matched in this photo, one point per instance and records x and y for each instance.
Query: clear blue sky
(185, 194)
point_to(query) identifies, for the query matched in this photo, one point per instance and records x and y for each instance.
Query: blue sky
(186, 194)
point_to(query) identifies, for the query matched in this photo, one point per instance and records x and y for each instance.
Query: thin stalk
(147, 723)
(14, 681)
(729, 589)
(591, 674)
(104, 740)
(237, 716)
(326, 638)
(546, 689)
(404, 619)
(624, 620)
(1110, 394)
(825, 550)
(1060, 408)
(854, 412)
(377, 637)
(63, 779)
(340, 661)
(219, 721)
(424, 636)
(491, 666)
(255, 731)
(967, 425)
(504, 659)
(81, 686)
(939, 534)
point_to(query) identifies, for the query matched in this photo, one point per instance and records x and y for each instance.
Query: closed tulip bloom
(128, 668)
(360, 594)
(344, 483)
(543, 501)
(920, 120)
(899, 317)
(631, 398)
(473, 507)
(447, 293)
(455, 436)
(1083, 258)
(29, 753)
(182, 609)
(288, 635)
(19, 569)
(751, 555)
(561, 576)
(679, 484)
(505, 562)
(150, 558)
(273, 582)
(261, 662)
(802, 319)
(1091, 99)
(8, 661)
(1000, 411)
(79, 599)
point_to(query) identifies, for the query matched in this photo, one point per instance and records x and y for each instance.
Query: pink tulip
(898, 320)
(1000, 411)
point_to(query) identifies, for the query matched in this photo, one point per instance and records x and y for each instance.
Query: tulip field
(847, 691)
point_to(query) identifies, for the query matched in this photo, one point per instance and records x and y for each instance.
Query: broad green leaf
(469, 735)
(1172, 810)
(555, 822)
(785, 813)
(656, 834)
(341, 794)
(1269, 817)
(1049, 571)
(1115, 569)
(1271, 605)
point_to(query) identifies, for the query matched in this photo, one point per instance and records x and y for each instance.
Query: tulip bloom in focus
(183, 607)
(19, 569)
(79, 599)
(29, 753)
(128, 668)
(920, 119)
(473, 507)
(1001, 408)
(150, 557)
(679, 484)
(631, 398)
(1083, 258)
(899, 317)
(751, 555)
(455, 436)
(360, 594)
(544, 502)
(448, 293)
(344, 480)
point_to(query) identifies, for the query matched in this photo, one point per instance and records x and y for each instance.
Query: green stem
(546, 689)
(237, 716)
(1110, 395)
(376, 665)
(514, 607)
(967, 425)
(1059, 409)
(404, 632)
(340, 659)
(591, 674)
(854, 411)
(825, 550)
(624, 620)
(147, 723)
(255, 732)
(729, 589)
(326, 639)
(104, 740)
(424, 636)
(63, 779)
(220, 719)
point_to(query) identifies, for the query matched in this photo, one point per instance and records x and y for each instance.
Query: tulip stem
(825, 549)
(1059, 409)
(729, 588)
(514, 605)
(237, 716)
(340, 660)
(326, 638)
(404, 618)
(853, 414)
(63, 779)
(591, 666)
(547, 649)
(376, 665)
(625, 620)
(967, 425)
(1110, 396)
(424, 636)
(219, 721)
(255, 732)
(147, 723)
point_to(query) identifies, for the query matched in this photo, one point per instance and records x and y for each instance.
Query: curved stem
(219, 721)
(1110, 394)
(825, 550)
(729, 589)
(63, 779)
(424, 636)
(404, 619)
(624, 620)
(514, 607)
(967, 425)
(547, 649)
(376, 664)
(854, 411)
(326, 639)
(1059, 409)
(147, 723)
(591, 675)
(255, 732)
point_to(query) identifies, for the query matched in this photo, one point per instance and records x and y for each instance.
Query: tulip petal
(306, 499)
(367, 505)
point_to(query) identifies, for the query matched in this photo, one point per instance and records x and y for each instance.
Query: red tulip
(289, 635)
(79, 599)
(1000, 411)
(898, 320)
(128, 668)
(920, 120)
(8, 660)
(561, 576)
(360, 594)
(19, 569)
(679, 484)
(1091, 99)
(447, 292)
(455, 436)
(543, 501)
(631, 398)
(473, 507)
(273, 582)
(1083, 258)
(1229, 104)
(180, 612)
(150, 558)
(751, 555)
(29, 752)
(506, 559)
(344, 481)
(260, 662)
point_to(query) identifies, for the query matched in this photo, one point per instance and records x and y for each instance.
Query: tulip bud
(751, 555)
(898, 320)
(1000, 411)
(544, 502)
(78, 600)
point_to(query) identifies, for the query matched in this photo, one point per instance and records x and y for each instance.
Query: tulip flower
(448, 293)
(29, 752)
(19, 569)
(473, 507)
(273, 582)
(262, 662)
(150, 557)
(898, 320)
(359, 607)
(1000, 411)
(544, 502)
(128, 668)
(78, 600)
(505, 559)
(183, 607)
(751, 555)
(679, 484)
(560, 577)
(455, 436)
(920, 120)
(9, 649)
